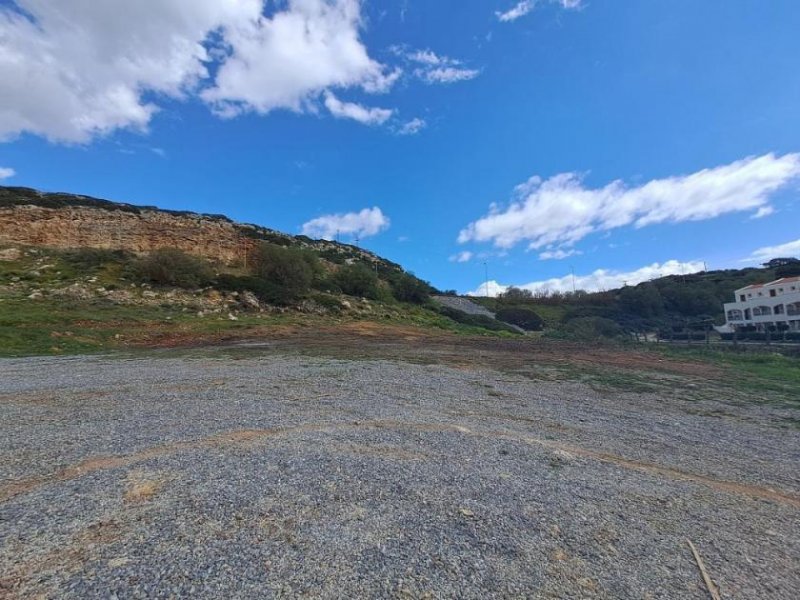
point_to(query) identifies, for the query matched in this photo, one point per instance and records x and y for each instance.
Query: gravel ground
(285, 476)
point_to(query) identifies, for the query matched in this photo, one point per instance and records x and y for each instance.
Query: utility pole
(486, 269)
(572, 268)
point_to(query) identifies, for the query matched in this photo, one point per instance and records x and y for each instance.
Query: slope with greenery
(667, 304)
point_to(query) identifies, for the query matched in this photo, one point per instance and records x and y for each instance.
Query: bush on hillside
(92, 258)
(643, 300)
(407, 288)
(287, 273)
(170, 266)
(521, 317)
(266, 291)
(357, 280)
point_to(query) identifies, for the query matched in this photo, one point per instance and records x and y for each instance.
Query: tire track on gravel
(244, 436)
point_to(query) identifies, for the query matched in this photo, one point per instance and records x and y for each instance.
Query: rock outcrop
(83, 227)
(32, 218)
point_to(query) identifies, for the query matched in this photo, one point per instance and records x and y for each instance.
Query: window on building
(742, 298)
(779, 310)
(773, 293)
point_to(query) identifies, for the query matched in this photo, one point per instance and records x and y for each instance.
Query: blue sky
(664, 135)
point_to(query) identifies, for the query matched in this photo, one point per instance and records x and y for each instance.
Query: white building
(765, 304)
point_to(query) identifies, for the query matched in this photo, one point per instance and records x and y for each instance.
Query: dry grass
(142, 487)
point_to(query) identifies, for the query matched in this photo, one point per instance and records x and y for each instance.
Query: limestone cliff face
(32, 218)
(143, 231)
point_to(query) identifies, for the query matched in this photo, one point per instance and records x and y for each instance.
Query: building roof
(781, 281)
(786, 280)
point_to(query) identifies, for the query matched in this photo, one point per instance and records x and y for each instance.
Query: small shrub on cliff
(169, 266)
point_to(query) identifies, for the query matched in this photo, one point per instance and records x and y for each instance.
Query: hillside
(675, 303)
(81, 274)
(29, 217)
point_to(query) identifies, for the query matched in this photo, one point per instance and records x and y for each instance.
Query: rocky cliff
(32, 218)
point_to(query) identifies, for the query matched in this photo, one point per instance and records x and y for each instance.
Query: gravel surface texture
(285, 476)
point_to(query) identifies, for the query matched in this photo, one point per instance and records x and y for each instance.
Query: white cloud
(73, 70)
(789, 249)
(412, 127)
(6, 173)
(434, 68)
(561, 210)
(368, 222)
(762, 212)
(284, 61)
(357, 112)
(558, 254)
(526, 6)
(519, 10)
(461, 257)
(601, 279)
(449, 74)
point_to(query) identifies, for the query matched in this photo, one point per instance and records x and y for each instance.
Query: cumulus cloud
(562, 210)
(366, 223)
(461, 257)
(284, 60)
(412, 127)
(789, 249)
(434, 68)
(356, 112)
(526, 6)
(559, 254)
(72, 70)
(599, 280)
(6, 173)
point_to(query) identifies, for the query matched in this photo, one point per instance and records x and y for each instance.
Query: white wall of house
(773, 303)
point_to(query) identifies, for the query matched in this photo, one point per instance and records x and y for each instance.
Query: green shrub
(407, 288)
(87, 259)
(357, 280)
(289, 271)
(169, 266)
(267, 291)
(327, 301)
(521, 317)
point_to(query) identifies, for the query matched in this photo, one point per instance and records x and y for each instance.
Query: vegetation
(521, 317)
(670, 305)
(169, 266)
(481, 321)
(407, 288)
(357, 280)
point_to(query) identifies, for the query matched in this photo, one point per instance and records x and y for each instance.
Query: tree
(514, 293)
